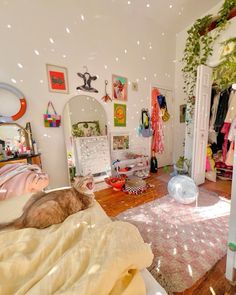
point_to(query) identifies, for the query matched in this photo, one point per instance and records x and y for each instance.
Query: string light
(36, 52)
(82, 17)
(68, 30)
(51, 40)
(13, 80)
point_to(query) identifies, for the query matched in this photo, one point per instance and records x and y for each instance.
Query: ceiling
(168, 15)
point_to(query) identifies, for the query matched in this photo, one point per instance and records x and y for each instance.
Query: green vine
(224, 75)
(199, 47)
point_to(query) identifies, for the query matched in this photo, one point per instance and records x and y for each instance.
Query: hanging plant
(199, 47)
(224, 75)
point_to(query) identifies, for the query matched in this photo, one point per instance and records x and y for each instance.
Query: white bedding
(87, 254)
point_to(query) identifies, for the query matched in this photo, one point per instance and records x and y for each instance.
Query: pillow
(12, 208)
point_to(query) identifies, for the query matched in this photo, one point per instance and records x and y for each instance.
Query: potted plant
(182, 166)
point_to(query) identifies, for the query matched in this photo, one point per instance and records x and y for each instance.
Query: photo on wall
(119, 115)
(119, 88)
(120, 142)
(57, 79)
(182, 113)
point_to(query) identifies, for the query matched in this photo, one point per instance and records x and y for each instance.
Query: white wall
(100, 31)
(179, 94)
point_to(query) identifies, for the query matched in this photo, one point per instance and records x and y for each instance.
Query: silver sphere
(183, 189)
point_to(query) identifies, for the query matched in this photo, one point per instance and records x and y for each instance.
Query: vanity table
(27, 159)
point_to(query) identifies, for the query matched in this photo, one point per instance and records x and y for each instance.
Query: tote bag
(51, 120)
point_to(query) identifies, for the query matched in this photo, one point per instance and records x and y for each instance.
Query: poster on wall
(120, 142)
(119, 115)
(182, 113)
(57, 79)
(119, 88)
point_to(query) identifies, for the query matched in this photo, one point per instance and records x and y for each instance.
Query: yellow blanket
(85, 255)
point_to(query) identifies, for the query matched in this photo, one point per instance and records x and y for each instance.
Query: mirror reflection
(88, 151)
(14, 141)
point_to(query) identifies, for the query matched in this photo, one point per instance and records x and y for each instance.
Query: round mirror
(88, 151)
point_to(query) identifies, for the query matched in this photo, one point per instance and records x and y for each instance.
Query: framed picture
(120, 141)
(182, 113)
(119, 115)
(119, 88)
(57, 79)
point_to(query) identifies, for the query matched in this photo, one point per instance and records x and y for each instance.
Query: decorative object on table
(57, 79)
(119, 115)
(154, 164)
(87, 78)
(163, 107)
(51, 120)
(23, 104)
(182, 113)
(145, 126)
(106, 97)
(183, 189)
(119, 88)
(86, 129)
(135, 186)
(120, 141)
(157, 124)
(177, 231)
(117, 183)
(135, 86)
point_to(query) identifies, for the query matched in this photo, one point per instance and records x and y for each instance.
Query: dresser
(92, 156)
(28, 159)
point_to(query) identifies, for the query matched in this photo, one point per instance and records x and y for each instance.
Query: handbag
(166, 115)
(51, 120)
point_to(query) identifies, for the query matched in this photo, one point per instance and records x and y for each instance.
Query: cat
(45, 209)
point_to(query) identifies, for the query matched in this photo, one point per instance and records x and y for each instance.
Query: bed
(88, 254)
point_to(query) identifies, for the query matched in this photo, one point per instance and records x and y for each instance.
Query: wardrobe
(221, 131)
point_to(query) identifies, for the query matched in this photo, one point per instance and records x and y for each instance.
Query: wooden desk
(32, 159)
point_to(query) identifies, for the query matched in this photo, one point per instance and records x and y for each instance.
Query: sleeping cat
(45, 209)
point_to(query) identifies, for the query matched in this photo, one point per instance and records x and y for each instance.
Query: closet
(219, 163)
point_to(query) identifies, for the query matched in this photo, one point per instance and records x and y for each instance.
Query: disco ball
(183, 189)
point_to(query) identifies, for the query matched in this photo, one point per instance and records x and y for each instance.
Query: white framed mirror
(87, 145)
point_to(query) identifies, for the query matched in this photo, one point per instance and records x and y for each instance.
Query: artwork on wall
(119, 115)
(119, 88)
(57, 79)
(87, 79)
(182, 113)
(86, 129)
(120, 141)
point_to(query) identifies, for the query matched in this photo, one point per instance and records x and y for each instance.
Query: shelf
(129, 172)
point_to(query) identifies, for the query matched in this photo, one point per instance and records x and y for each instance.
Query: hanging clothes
(222, 110)
(225, 130)
(231, 137)
(157, 126)
(214, 108)
(232, 107)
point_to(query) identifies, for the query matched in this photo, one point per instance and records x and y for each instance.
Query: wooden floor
(214, 282)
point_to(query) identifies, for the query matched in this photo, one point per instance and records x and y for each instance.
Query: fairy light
(20, 65)
(67, 30)
(36, 52)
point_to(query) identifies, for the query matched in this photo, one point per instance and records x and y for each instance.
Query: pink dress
(157, 125)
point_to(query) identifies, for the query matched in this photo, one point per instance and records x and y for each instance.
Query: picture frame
(182, 113)
(120, 142)
(119, 115)
(119, 88)
(57, 78)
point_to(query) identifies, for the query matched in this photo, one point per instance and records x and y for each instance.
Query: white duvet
(85, 255)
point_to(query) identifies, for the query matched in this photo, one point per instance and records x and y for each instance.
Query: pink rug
(186, 240)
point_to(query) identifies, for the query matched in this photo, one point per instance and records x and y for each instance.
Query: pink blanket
(18, 179)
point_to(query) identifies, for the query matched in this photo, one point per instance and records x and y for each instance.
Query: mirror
(15, 140)
(88, 151)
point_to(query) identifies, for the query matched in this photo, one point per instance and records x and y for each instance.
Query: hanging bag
(51, 120)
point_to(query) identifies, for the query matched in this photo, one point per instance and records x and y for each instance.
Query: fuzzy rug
(186, 240)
